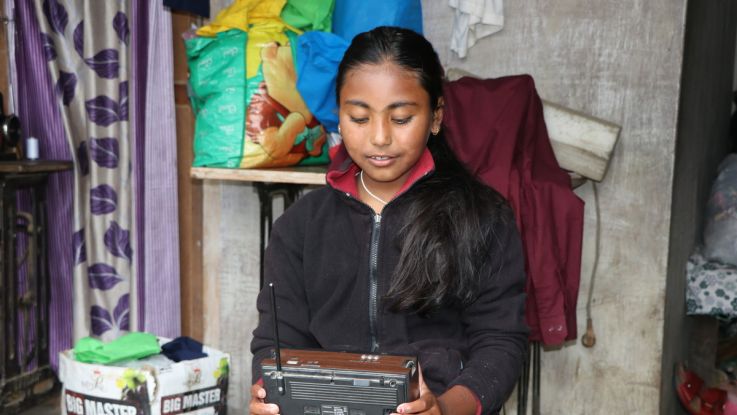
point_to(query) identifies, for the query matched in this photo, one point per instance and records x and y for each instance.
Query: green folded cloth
(131, 346)
(309, 14)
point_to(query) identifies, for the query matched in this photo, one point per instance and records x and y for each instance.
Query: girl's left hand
(427, 403)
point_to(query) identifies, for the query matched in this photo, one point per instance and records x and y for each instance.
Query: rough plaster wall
(239, 229)
(619, 61)
(231, 269)
(703, 141)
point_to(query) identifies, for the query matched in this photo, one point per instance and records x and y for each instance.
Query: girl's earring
(339, 132)
(435, 131)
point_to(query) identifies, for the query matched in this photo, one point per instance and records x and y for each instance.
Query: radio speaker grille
(344, 393)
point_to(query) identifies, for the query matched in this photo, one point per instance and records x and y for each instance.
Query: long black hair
(447, 238)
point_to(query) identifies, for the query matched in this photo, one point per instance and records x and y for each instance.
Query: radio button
(361, 382)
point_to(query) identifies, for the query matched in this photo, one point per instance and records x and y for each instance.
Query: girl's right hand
(257, 406)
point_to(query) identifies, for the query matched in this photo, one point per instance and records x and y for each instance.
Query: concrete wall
(231, 272)
(620, 61)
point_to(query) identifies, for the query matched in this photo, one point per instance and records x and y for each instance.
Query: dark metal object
(25, 374)
(266, 194)
(536, 378)
(10, 135)
(523, 386)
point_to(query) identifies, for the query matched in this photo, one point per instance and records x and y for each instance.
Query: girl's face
(385, 120)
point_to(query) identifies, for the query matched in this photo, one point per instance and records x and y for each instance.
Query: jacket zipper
(373, 270)
(373, 280)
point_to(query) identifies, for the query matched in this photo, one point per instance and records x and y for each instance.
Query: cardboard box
(149, 386)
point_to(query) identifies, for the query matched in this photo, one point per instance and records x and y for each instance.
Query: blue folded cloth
(318, 56)
(183, 348)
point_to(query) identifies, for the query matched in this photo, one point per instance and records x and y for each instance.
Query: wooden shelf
(298, 175)
(35, 166)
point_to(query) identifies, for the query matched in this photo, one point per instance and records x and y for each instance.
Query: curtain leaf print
(80, 251)
(105, 152)
(56, 15)
(83, 158)
(123, 104)
(105, 63)
(102, 110)
(103, 199)
(78, 36)
(117, 241)
(49, 47)
(120, 24)
(66, 86)
(103, 276)
(101, 320)
(121, 313)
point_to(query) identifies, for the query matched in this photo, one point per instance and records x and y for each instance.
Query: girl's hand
(427, 403)
(257, 406)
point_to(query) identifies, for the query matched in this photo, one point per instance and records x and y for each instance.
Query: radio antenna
(277, 349)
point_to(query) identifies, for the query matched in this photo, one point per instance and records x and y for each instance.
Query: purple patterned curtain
(154, 122)
(75, 60)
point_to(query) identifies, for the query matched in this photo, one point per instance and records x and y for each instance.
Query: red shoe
(694, 398)
(713, 401)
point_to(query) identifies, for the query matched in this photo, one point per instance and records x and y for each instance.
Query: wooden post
(190, 190)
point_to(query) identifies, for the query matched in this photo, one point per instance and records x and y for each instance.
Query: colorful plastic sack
(352, 17)
(280, 129)
(249, 90)
(217, 81)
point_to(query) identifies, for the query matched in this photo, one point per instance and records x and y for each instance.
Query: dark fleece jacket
(318, 260)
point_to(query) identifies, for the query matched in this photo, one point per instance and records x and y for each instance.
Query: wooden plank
(211, 261)
(35, 166)
(581, 143)
(190, 196)
(300, 175)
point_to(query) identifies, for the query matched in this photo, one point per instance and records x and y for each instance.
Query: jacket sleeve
(495, 323)
(283, 268)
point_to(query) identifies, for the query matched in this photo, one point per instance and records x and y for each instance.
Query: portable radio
(316, 382)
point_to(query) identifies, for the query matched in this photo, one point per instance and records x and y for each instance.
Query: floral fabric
(712, 287)
(86, 46)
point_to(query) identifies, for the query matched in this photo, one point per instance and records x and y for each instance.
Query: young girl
(404, 252)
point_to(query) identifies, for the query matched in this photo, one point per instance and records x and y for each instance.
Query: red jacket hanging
(496, 128)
